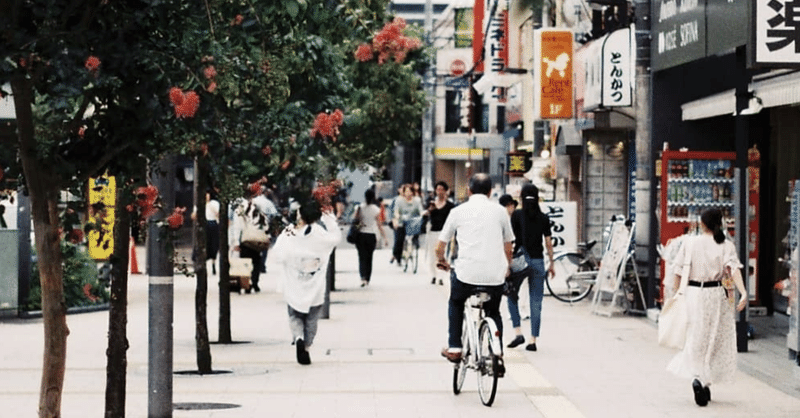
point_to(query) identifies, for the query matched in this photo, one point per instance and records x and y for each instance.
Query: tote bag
(672, 323)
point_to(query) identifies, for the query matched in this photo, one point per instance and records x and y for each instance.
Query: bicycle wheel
(460, 368)
(406, 255)
(415, 256)
(561, 285)
(487, 366)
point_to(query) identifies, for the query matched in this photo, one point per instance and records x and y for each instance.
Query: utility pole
(429, 81)
(160, 296)
(646, 235)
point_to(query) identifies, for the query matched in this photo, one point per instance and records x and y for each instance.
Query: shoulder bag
(352, 233)
(253, 236)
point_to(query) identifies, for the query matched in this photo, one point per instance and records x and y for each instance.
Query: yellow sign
(102, 201)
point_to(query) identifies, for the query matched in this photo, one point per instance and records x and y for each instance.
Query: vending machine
(693, 181)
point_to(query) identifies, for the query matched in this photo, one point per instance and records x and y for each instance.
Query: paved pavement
(378, 356)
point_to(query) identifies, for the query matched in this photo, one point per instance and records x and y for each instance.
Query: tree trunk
(200, 271)
(224, 275)
(43, 190)
(117, 361)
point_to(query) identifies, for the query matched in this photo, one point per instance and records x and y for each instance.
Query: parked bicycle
(568, 284)
(410, 258)
(576, 271)
(480, 349)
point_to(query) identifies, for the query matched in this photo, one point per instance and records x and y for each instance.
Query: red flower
(267, 150)
(212, 86)
(87, 291)
(81, 131)
(237, 20)
(254, 188)
(210, 72)
(204, 148)
(285, 165)
(327, 126)
(175, 96)
(185, 104)
(364, 53)
(390, 42)
(92, 63)
(175, 220)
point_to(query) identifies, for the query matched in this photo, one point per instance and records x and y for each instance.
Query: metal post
(646, 235)
(24, 250)
(160, 299)
(429, 82)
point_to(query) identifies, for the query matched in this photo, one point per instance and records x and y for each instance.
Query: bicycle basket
(413, 226)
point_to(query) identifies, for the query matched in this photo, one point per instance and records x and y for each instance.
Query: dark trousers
(365, 245)
(255, 256)
(399, 239)
(459, 293)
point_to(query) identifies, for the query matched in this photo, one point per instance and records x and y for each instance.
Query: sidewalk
(377, 356)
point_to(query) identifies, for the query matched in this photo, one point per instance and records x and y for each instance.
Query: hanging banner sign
(553, 51)
(775, 39)
(102, 201)
(609, 71)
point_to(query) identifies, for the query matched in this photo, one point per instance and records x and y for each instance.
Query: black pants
(459, 293)
(255, 257)
(399, 240)
(365, 245)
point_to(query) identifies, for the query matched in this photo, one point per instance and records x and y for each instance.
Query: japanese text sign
(609, 71)
(102, 201)
(776, 32)
(519, 163)
(553, 52)
(563, 224)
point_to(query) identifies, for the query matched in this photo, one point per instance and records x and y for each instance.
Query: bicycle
(410, 258)
(575, 273)
(479, 349)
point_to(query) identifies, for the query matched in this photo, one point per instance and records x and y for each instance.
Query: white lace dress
(710, 350)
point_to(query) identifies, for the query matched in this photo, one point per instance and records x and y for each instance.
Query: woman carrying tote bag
(709, 354)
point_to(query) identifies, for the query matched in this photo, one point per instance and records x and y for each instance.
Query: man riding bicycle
(484, 239)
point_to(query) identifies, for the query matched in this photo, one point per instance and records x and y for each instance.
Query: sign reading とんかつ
(553, 97)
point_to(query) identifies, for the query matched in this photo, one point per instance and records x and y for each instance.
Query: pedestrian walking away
(303, 250)
(710, 269)
(367, 216)
(437, 212)
(532, 229)
(212, 230)
(257, 211)
(484, 237)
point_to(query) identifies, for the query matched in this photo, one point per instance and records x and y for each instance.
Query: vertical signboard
(478, 11)
(102, 198)
(563, 224)
(610, 68)
(679, 32)
(553, 96)
(776, 33)
(725, 20)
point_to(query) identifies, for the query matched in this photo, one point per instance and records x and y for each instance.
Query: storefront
(698, 70)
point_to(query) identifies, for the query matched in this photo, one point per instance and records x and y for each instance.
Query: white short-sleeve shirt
(481, 228)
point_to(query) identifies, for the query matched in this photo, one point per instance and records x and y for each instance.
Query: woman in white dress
(709, 355)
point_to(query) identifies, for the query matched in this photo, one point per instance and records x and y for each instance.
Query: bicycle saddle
(587, 245)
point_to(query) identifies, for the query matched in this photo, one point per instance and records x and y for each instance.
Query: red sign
(457, 67)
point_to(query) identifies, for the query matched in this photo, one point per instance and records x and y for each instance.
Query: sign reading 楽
(776, 33)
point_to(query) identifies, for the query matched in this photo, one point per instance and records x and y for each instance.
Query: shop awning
(568, 140)
(715, 105)
(778, 88)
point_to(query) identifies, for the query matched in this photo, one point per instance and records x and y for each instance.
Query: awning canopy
(773, 89)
